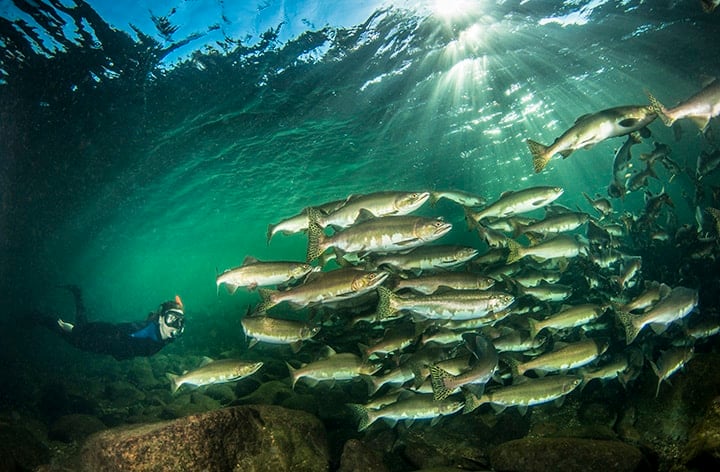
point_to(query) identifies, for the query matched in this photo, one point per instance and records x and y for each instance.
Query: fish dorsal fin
(506, 193)
(206, 360)
(406, 394)
(250, 260)
(582, 117)
(700, 121)
(364, 215)
(658, 328)
(313, 276)
(707, 80)
(326, 352)
(476, 389)
(519, 380)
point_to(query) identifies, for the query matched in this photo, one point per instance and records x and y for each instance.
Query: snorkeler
(122, 340)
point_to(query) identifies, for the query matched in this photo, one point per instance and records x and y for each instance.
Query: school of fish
(545, 301)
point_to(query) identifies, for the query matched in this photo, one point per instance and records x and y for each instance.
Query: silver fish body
(428, 258)
(372, 204)
(298, 223)
(591, 129)
(670, 362)
(707, 162)
(520, 201)
(215, 372)
(569, 317)
(383, 234)
(325, 287)
(621, 166)
(562, 245)
(568, 357)
(480, 372)
(335, 367)
(455, 305)
(277, 331)
(428, 284)
(653, 293)
(699, 108)
(416, 406)
(254, 273)
(530, 392)
(561, 223)
(462, 198)
(679, 303)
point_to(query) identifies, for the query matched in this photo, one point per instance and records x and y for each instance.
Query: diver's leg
(80, 315)
(49, 321)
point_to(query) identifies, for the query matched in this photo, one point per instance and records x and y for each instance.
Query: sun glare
(449, 9)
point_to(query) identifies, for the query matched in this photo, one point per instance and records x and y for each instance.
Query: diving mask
(175, 319)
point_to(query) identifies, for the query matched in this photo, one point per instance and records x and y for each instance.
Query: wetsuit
(122, 340)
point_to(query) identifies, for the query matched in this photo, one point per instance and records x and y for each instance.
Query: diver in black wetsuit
(122, 340)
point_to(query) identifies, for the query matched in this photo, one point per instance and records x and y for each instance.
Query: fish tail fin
(471, 220)
(659, 376)
(433, 199)
(293, 374)
(437, 380)
(268, 301)
(533, 325)
(651, 171)
(374, 384)
(708, 6)
(384, 308)
(659, 109)
(631, 331)
(517, 228)
(514, 365)
(539, 153)
(514, 255)
(715, 213)
(174, 382)
(270, 232)
(534, 238)
(472, 401)
(362, 414)
(315, 235)
(364, 352)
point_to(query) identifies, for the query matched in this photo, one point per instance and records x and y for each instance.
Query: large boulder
(702, 452)
(77, 427)
(20, 449)
(245, 438)
(551, 454)
(358, 457)
(123, 394)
